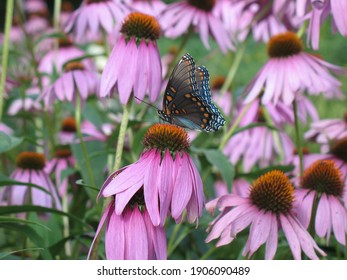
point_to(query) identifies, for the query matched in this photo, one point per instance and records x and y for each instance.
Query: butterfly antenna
(147, 103)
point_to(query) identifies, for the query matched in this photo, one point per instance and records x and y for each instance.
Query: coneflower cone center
(218, 83)
(69, 125)
(284, 45)
(205, 5)
(141, 26)
(64, 42)
(339, 149)
(74, 65)
(30, 160)
(166, 136)
(324, 177)
(345, 117)
(273, 192)
(63, 152)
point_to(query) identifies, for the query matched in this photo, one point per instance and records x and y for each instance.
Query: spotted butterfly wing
(187, 98)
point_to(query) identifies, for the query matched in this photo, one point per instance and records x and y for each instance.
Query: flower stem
(83, 144)
(235, 125)
(233, 69)
(121, 137)
(5, 50)
(275, 134)
(66, 230)
(298, 136)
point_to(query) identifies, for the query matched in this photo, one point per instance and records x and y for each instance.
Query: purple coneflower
(167, 175)
(137, 52)
(268, 208)
(95, 17)
(337, 153)
(323, 183)
(149, 7)
(76, 80)
(62, 160)
(258, 145)
(202, 15)
(325, 131)
(320, 12)
(55, 60)
(27, 104)
(30, 169)
(131, 234)
(67, 134)
(290, 71)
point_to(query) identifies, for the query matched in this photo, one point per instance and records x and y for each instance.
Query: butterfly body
(187, 98)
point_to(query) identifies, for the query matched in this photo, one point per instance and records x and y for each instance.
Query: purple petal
(292, 238)
(137, 238)
(151, 189)
(115, 235)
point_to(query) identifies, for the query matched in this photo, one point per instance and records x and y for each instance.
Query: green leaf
(221, 162)
(6, 181)
(6, 210)
(8, 142)
(21, 221)
(258, 173)
(80, 182)
(4, 255)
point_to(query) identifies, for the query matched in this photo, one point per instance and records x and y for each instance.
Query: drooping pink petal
(126, 78)
(165, 182)
(292, 238)
(260, 230)
(136, 235)
(323, 216)
(112, 68)
(182, 190)
(272, 241)
(339, 219)
(151, 190)
(115, 235)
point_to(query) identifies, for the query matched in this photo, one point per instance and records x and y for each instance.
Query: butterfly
(187, 98)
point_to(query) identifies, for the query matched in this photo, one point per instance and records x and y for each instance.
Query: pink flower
(5, 129)
(76, 80)
(27, 104)
(265, 18)
(325, 131)
(289, 72)
(34, 6)
(131, 235)
(95, 17)
(323, 183)
(336, 153)
(30, 169)
(259, 145)
(137, 51)
(321, 10)
(169, 179)
(149, 7)
(62, 160)
(268, 208)
(67, 134)
(54, 61)
(201, 14)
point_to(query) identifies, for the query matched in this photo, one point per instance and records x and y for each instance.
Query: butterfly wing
(187, 98)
